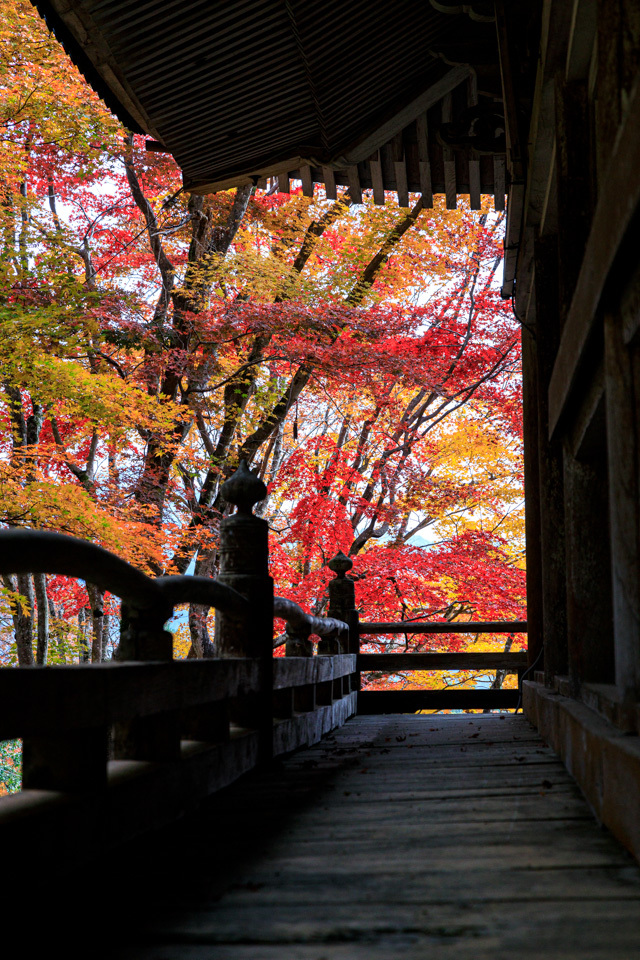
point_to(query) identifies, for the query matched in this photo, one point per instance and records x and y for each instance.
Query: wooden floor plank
(292, 925)
(396, 837)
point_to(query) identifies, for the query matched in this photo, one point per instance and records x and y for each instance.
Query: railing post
(331, 646)
(342, 606)
(244, 565)
(298, 643)
(73, 761)
(76, 760)
(143, 638)
(342, 599)
(142, 633)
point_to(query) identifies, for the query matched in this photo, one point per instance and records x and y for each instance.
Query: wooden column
(583, 490)
(589, 613)
(424, 161)
(550, 459)
(244, 565)
(329, 183)
(532, 496)
(451, 190)
(573, 165)
(623, 457)
(474, 162)
(400, 170)
(307, 182)
(375, 165)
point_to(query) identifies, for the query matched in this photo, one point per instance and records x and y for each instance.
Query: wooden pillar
(532, 497)
(623, 422)
(550, 460)
(244, 565)
(586, 536)
(574, 179)
(589, 613)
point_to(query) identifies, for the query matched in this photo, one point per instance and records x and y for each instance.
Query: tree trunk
(42, 603)
(83, 645)
(106, 628)
(22, 619)
(96, 599)
(201, 646)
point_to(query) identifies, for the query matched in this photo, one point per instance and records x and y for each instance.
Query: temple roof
(404, 96)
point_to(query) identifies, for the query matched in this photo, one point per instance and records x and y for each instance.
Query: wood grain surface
(395, 837)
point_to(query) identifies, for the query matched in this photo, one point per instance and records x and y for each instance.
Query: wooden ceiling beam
(307, 182)
(355, 190)
(436, 91)
(329, 183)
(376, 179)
(424, 164)
(474, 184)
(450, 187)
(499, 182)
(403, 164)
(474, 164)
(401, 183)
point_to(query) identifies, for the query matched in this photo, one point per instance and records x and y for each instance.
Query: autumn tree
(152, 340)
(63, 408)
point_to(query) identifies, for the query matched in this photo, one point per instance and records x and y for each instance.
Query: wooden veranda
(252, 806)
(396, 835)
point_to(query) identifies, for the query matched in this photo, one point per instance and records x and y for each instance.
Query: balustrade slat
(297, 671)
(391, 662)
(35, 700)
(411, 701)
(484, 626)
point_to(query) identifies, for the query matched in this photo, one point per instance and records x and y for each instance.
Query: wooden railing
(333, 634)
(128, 745)
(131, 744)
(342, 605)
(476, 698)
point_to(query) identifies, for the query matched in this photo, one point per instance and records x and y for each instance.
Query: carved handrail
(300, 624)
(210, 593)
(40, 551)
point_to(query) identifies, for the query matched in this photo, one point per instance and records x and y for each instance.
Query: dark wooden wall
(577, 291)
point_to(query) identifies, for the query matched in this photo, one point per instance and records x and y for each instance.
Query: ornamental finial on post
(340, 564)
(342, 600)
(244, 489)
